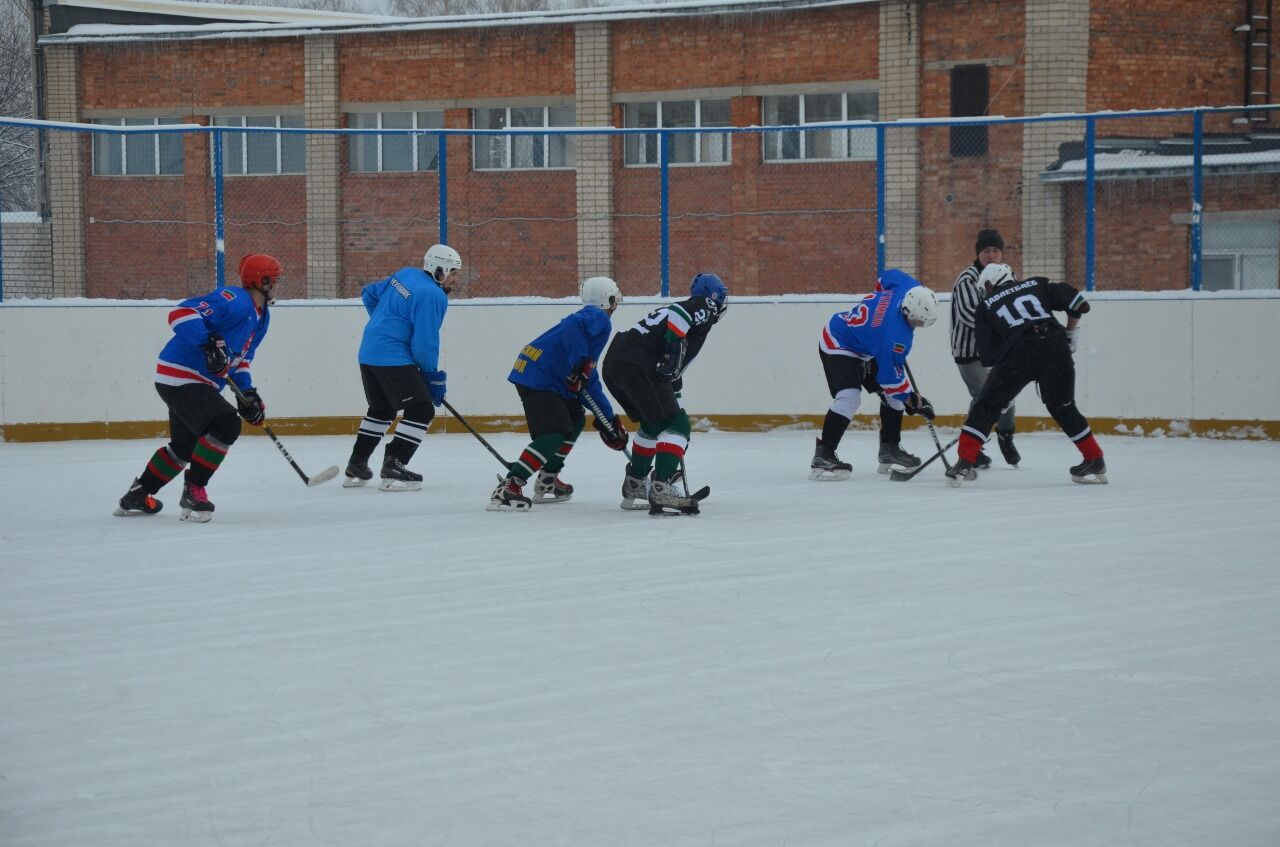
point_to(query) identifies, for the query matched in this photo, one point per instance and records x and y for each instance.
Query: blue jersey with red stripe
(875, 329)
(229, 312)
(547, 361)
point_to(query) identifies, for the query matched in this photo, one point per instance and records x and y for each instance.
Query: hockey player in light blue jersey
(551, 374)
(399, 366)
(867, 347)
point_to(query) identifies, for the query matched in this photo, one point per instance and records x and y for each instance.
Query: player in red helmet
(214, 338)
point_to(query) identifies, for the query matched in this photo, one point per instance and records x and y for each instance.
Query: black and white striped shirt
(964, 302)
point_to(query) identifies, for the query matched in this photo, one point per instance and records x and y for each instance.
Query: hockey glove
(436, 385)
(251, 407)
(1073, 339)
(216, 358)
(669, 367)
(581, 375)
(612, 433)
(917, 405)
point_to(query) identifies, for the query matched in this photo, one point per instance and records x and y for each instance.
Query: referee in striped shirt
(964, 343)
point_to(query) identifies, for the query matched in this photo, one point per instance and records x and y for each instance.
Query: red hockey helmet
(260, 271)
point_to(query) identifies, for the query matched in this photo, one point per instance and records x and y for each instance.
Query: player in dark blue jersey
(214, 339)
(551, 374)
(399, 366)
(867, 347)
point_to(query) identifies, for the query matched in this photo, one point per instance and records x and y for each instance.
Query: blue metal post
(1197, 201)
(1090, 198)
(219, 222)
(880, 216)
(664, 152)
(444, 191)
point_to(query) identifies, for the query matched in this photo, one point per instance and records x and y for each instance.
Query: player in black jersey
(1022, 342)
(643, 370)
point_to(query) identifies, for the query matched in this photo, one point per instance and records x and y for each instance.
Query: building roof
(1144, 158)
(99, 21)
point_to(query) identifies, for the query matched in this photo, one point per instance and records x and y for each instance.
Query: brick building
(773, 212)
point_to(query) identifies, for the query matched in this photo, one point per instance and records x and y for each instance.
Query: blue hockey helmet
(713, 289)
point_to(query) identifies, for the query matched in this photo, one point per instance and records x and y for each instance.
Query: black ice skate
(962, 471)
(635, 492)
(396, 477)
(509, 496)
(1010, 453)
(195, 503)
(893, 456)
(664, 499)
(137, 502)
(1090, 472)
(826, 465)
(548, 488)
(357, 474)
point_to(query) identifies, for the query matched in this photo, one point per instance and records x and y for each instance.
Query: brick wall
(27, 260)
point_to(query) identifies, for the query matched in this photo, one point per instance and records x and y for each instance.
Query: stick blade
(900, 476)
(322, 477)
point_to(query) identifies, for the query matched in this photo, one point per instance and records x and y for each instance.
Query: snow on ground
(1019, 662)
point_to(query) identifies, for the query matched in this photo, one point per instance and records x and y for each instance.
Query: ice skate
(826, 465)
(195, 503)
(509, 496)
(396, 477)
(548, 488)
(635, 492)
(1090, 472)
(893, 456)
(137, 502)
(357, 474)
(962, 471)
(983, 462)
(1010, 453)
(664, 499)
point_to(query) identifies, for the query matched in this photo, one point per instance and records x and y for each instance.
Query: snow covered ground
(1019, 662)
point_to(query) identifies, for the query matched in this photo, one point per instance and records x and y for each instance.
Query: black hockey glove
(613, 433)
(216, 358)
(669, 367)
(251, 407)
(580, 377)
(917, 405)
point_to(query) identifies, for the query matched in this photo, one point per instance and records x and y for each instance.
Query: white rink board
(1142, 356)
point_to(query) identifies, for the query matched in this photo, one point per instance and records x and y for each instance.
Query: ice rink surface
(1022, 662)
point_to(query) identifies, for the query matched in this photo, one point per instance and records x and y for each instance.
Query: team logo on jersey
(227, 294)
(899, 348)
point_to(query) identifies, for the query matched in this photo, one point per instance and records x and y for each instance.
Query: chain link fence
(1148, 201)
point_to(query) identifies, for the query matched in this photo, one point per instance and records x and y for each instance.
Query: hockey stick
(585, 397)
(902, 476)
(929, 423)
(460, 419)
(311, 481)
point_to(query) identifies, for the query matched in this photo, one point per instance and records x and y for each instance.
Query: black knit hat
(988, 238)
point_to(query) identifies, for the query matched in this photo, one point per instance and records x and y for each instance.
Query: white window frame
(242, 138)
(570, 157)
(418, 115)
(122, 139)
(654, 138)
(777, 137)
(1238, 255)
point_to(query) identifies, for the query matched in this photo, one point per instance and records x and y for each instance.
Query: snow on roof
(190, 8)
(240, 26)
(1146, 163)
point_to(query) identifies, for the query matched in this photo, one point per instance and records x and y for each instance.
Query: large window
(262, 152)
(136, 154)
(1241, 255)
(522, 152)
(820, 144)
(687, 148)
(398, 151)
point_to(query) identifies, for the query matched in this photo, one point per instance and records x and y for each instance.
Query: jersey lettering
(1028, 306)
(655, 318)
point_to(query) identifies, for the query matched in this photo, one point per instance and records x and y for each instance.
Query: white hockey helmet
(600, 291)
(993, 276)
(439, 260)
(920, 306)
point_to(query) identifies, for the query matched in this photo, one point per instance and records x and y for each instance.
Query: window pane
(679, 113)
(489, 150)
(1218, 274)
(864, 106)
(640, 149)
(232, 146)
(363, 148)
(715, 113)
(140, 150)
(491, 118)
(781, 111)
(826, 144)
(1259, 271)
(526, 117)
(527, 151)
(1233, 236)
(862, 144)
(260, 147)
(561, 116)
(429, 145)
(560, 147)
(823, 107)
(293, 147)
(107, 151)
(397, 150)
